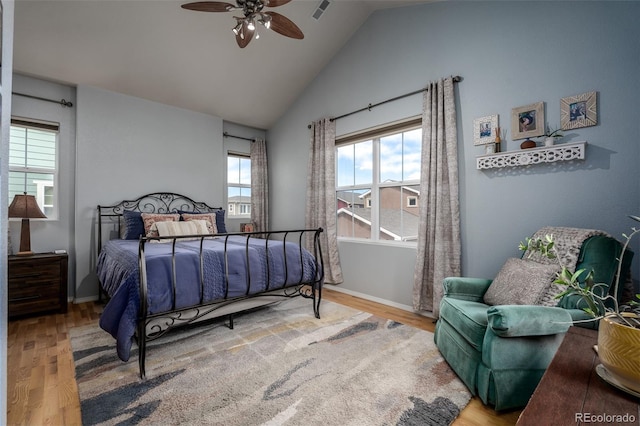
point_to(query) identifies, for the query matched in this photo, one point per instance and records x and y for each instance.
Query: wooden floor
(41, 387)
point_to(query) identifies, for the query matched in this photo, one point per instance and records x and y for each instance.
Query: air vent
(324, 4)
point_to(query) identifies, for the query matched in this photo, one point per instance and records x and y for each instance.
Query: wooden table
(571, 392)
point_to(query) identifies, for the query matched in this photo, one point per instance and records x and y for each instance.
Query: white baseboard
(84, 300)
(329, 286)
(376, 299)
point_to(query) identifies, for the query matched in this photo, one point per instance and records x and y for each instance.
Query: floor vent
(324, 4)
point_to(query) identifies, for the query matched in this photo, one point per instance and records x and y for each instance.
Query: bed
(165, 260)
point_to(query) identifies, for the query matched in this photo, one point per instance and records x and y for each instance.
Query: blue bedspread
(117, 270)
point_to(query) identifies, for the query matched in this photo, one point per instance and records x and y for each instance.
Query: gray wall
(127, 147)
(510, 54)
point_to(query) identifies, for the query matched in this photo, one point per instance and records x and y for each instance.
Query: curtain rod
(456, 79)
(227, 135)
(62, 102)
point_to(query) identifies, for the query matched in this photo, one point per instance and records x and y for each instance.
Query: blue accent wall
(510, 54)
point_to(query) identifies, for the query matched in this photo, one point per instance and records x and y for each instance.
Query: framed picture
(527, 121)
(484, 129)
(246, 227)
(579, 111)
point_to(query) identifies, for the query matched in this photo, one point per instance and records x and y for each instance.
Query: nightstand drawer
(26, 302)
(33, 272)
(37, 284)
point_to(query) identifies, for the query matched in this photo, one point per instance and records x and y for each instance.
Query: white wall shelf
(525, 157)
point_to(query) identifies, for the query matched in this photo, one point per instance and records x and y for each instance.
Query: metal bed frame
(154, 326)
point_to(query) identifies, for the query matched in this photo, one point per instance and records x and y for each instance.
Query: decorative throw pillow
(521, 282)
(133, 225)
(150, 218)
(210, 218)
(176, 229)
(220, 225)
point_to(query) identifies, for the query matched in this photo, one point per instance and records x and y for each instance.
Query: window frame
(375, 134)
(48, 126)
(232, 212)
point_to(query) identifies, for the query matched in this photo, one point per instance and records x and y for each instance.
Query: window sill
(387, 243)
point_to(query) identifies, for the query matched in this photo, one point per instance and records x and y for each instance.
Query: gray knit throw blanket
(568, 242)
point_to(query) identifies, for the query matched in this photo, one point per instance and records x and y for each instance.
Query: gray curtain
(321, 195)
(259, 186)
(439, 230)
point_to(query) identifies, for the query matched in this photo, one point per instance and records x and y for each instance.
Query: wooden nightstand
(37, 284)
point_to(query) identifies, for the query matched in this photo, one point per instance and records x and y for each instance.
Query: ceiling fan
(245, 27)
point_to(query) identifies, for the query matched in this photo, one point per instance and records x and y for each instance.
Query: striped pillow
(210, 218)
(176, 229)
(149, 219)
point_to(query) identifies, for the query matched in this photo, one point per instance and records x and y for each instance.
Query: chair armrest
(528, 320)
(465, 288)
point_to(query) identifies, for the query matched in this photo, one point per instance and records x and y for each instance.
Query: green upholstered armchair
(501, 352)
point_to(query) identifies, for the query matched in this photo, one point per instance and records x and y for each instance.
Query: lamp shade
(26, 207)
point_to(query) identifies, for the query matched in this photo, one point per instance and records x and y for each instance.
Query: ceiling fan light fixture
(237, 28)
(246, 26)
(265, 20)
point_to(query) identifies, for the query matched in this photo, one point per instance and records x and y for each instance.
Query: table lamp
(26, 207)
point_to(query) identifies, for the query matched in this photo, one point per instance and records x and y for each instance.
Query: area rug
(278, 366)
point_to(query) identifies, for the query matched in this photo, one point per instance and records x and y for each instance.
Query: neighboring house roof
(391, 218)
(413, 188)
(239, 199)
(347, 197)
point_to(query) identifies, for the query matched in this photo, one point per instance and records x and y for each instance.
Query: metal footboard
(153, 326)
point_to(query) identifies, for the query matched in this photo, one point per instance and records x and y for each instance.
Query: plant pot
(549, 141)
(619, 351)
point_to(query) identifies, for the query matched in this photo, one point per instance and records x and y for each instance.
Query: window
(238, 186)
(378, 183)
(33, 165)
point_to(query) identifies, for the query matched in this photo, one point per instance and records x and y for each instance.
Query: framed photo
(484, 129)
(579, 111)
(246, 227)
(527, 121)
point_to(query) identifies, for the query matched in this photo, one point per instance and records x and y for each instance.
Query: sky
(399, 159)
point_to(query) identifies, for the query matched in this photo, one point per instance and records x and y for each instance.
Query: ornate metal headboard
(156, 202)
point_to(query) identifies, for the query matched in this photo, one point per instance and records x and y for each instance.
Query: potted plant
(619, 326)
(550, 136)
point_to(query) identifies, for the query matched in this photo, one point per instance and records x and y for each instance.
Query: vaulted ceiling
(155, 50)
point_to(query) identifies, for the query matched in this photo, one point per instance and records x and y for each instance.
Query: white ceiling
(154, 49)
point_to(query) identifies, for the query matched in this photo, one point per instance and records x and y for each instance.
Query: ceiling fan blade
(285, 26)
(275, 3)
(209, 6)
(248, 35)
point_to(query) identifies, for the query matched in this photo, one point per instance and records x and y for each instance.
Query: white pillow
(176, 229)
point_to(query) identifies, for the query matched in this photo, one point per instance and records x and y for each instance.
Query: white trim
(391, 243)
(77, 301)
(382, 127)
(377, 300)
